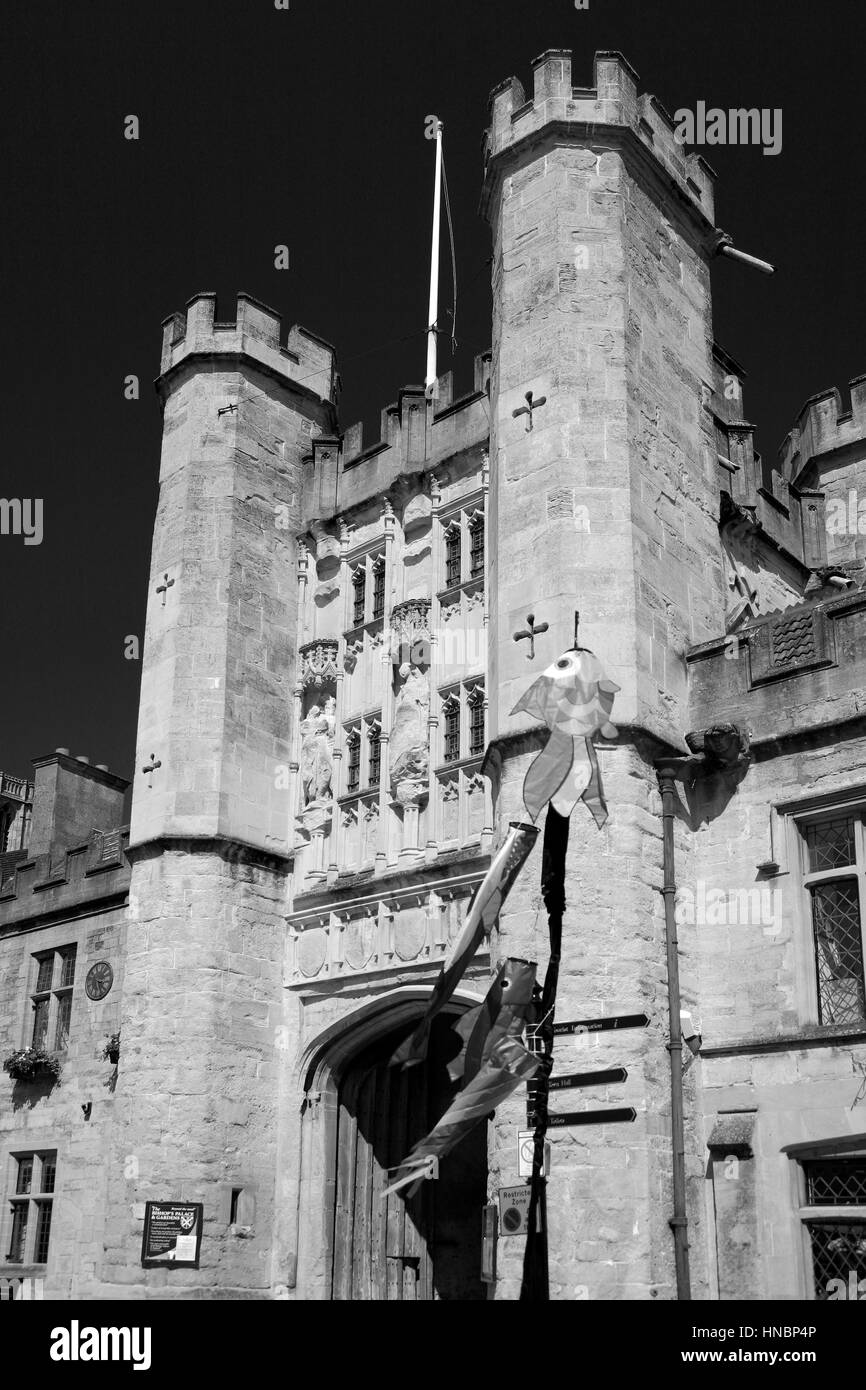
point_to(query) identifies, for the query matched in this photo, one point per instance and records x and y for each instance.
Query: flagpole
(535, 1285)
(433, 310)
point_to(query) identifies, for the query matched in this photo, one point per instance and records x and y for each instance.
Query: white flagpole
(433, 310)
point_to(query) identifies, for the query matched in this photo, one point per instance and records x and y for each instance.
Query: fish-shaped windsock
(504, 1012)
(574, 698)
(480, 918)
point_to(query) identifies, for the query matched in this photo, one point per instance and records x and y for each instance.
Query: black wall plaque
(172, 1234)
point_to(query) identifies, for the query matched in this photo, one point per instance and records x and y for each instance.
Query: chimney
(70, 798)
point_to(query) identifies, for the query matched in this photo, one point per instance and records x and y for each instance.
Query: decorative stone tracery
(319, 662)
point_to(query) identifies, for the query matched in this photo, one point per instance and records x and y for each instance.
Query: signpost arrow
(602, 1025)
(611, 1077)
(591, 1117)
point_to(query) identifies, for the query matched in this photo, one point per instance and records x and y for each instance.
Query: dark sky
(305, 127)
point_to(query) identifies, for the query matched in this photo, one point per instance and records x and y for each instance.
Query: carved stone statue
(410, 751)
(317, 760)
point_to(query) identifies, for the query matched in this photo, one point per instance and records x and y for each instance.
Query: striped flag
(506, 1067)
(507, 1007)
(480, 919)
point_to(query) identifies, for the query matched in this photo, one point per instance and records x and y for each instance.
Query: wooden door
(425, 1247)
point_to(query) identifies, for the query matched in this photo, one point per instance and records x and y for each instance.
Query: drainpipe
(667, 770)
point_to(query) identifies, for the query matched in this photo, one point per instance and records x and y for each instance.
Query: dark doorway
(419, 1248)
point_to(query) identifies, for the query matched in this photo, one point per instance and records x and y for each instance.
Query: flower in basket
(32, 1064)
(111, 1051)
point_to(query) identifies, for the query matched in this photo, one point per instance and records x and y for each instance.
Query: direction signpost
(591, 1117)
(602, 1025)
(612, 1077)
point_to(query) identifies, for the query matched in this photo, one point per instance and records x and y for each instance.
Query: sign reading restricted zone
(514, 1211)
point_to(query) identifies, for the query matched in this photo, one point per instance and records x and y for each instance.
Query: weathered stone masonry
(326, 757)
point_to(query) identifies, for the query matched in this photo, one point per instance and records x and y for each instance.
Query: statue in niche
(317, 752)
(410, 751)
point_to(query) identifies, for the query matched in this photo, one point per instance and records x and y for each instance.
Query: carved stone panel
(791, 644)
(319, 663)
(410, 932)
(312, 951)
(359, 939)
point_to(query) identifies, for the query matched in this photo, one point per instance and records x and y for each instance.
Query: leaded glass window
(834, 872)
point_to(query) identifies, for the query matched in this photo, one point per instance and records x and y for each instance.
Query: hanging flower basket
(111, 1051)
(32, 1064)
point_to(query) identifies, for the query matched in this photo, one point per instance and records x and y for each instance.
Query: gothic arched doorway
(417, 1248)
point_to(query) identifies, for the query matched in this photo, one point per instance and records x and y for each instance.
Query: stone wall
(39, 1117)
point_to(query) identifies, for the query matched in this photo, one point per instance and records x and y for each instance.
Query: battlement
(15, 788)
(67, 882)
(303, 359)
(609, 114)
(823, 427)
(415, 435)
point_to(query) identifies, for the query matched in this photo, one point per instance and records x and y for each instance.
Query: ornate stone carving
(317, 753)
(410, 752)
(793, 642)
(723, 746)
(354, 648)
(319, 664)
(450, 609)
(410, 632)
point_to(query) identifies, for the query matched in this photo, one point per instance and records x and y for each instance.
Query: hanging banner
(480, 919)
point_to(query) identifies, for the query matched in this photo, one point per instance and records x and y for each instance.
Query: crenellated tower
(202, 1026)
(603, 499)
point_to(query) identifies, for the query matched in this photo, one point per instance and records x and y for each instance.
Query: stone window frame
(463, 520)
(57, 993)
(373, 764)
(451, 705)
(476, 698)
(34, 1201)
(377, 595)
(359, 595)
(352, 742)
(800, 820)
(477, 528)
(454, 553)
(464, 695)
(806, 1215)
(367, 574)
